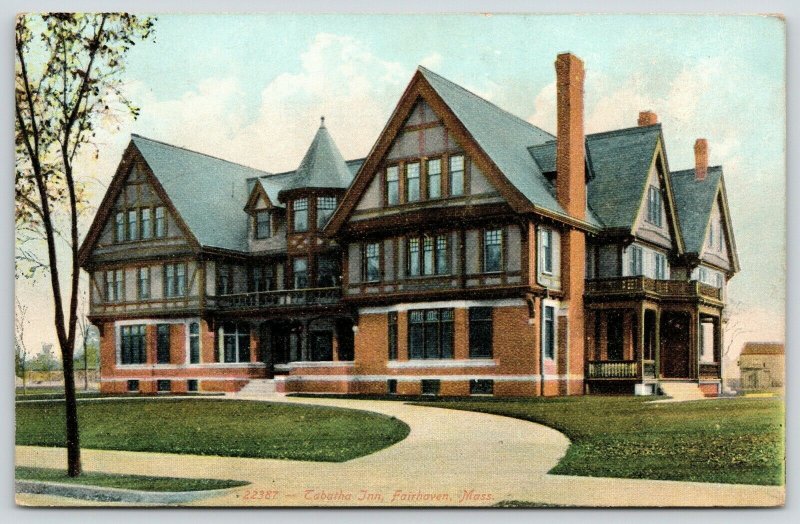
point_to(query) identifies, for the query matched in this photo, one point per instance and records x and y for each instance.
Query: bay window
(300, 209)
(325, 208)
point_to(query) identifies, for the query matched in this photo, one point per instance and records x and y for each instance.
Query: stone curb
(106, 494)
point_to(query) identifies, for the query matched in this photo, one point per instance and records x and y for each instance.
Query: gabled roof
(505, 138)
(207, 192)
(620, 161)
(695, 200)
(322, 166)
(763, 348)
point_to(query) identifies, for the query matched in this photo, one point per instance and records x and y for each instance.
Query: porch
(641, 330)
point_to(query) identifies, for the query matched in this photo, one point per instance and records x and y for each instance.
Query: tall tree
(68, 80)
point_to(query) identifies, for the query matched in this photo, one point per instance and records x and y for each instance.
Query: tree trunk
(73, 441)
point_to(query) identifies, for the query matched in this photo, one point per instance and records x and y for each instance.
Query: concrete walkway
(450, 458)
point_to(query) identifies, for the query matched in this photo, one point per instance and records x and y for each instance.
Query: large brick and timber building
(469, 253)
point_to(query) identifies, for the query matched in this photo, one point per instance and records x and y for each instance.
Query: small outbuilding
(762, 365)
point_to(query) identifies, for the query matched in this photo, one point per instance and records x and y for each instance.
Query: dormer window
(654, 206)
(300, 208)
(263, 224)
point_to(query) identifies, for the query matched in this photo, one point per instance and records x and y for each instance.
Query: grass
(230, 428)
(135, 482)
(728, 440)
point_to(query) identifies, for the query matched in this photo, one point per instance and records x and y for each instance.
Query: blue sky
(252, 88)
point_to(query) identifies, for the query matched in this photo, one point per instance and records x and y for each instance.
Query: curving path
(450, 458)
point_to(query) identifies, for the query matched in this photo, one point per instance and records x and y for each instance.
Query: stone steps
(258, 388)
(682, 390)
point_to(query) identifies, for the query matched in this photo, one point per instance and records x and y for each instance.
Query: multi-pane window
(194, 343)
(300, 269)
(654, 206)
(224, 281)
(147, 223)
(661, 266)
(456, 172)
(492, 250)
(428, 255)
(547, 250)
(442, 260)
(260, 278)
(235, 340)
(549, 332)
(325, 208)
(133, 224)
(161, 222)
(300, 209)
(480, 332)
(115, 285)
(371, 262)
(635, 262)
(174, 280)
(392, 335)
(392, 185)
(143, 282)
(412, 182)
(263, 224)
(430, 333)
(132, 344)
(413, 257)
(435, 178)
(119, 227)
(162, 343)
(327, 271)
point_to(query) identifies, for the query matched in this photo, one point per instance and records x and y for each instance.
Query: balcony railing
(612, 369)
(709, 370)
(665, 288)
(284, 298)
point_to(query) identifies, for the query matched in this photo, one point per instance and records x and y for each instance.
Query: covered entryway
(675, 357)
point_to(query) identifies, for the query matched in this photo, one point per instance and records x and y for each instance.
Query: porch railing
(709, 370)
(612, 369)
(282, 298)
(629, 285)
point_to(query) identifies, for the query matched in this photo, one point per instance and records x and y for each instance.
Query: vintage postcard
(423, 260)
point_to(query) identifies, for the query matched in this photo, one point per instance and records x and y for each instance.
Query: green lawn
(727, 440)
(231, 428)
(136, 482)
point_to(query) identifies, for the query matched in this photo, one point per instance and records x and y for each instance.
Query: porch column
(657, 349)
(719, 344)
(641, 340)
(694, 345)
(304, 341)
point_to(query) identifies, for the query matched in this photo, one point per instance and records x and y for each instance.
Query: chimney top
(700, 158)
(647, 118)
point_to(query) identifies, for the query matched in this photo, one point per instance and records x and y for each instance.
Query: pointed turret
(323, 165)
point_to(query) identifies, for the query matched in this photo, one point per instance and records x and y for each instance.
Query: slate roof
(322, 165)
(620, 161)
(763, 348)
(207, 192)
(694, 200)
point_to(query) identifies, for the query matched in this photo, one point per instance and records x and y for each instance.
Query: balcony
(285, 298)
(626, 286)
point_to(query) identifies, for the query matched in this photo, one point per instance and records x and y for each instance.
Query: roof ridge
(462, 88)
(624, 131)
(160, 142)
(691, 170)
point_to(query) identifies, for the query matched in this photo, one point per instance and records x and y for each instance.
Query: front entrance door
(675, 345)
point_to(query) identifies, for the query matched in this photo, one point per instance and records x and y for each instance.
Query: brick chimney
(571, 194)
(647, 118)
(570, 154)
(700, 158)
